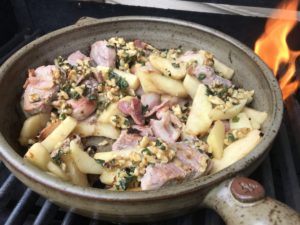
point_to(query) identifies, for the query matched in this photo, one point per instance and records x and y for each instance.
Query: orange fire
(272, 46)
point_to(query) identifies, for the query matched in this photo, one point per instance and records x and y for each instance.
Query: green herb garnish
(158, 142)
(144, 108)
(125, 182)
(147, 151)
(120, 81)
(231, 138)
(162, 147)
(127, 123)
(209, 91)
(175, 65)
(62, 116)
(223, 92)
(235, 119)
(130, 170)
(57, 158)
(201, 76)
(92, 97)
(75, 95)
(110, 46)
(100, 161)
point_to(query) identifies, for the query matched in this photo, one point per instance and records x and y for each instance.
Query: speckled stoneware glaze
(250, 72)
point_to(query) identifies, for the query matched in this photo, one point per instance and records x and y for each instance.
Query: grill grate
(279, 173)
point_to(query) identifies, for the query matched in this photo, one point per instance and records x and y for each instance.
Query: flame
(272, 46)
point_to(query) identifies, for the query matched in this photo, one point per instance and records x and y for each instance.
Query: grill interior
(279, 173)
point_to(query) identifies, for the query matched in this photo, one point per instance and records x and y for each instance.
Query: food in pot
(129, 116)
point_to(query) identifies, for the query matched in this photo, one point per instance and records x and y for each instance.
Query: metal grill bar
(211, 218)
(46, 214)
(7, 189)
(94, 222)
(20, 212)
(267, 178)
(291, 185)
(69, 218)
(293, 111)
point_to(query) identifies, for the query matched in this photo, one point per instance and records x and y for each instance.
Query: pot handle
(242, 201)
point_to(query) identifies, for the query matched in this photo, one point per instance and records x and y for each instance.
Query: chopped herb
(92, 97)
(147, 151)
(120, 81)
(162, 147)
(223, 92)
(75, 95)
(130, 170)
(158, 142)
(201, 76)
(66, 88)
(144, 108)
(110, 46)
(126, 122)
(125, 182)
(235, 119)
(175, 65)
(62, 116)
(57, 158)
(100, 161)
(231, 138)
(209, 91)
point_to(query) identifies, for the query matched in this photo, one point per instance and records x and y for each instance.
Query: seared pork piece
(173, 100)
(207, 76)
(188, 164)
(139, 44)
(103, 55)
(126, 141)
(150, 100)
(157, 108)
(82, 108)
(204, 73)
(143, 130)
(133, 108)
(75, 57)
(39, 90)
(164, 127)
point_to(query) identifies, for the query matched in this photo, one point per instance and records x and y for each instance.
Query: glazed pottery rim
(10, 157)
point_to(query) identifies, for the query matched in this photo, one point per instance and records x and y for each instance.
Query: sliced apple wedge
(237, 150)
(83, 161)
(217, 114)
(199, 122)
(215, 139)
